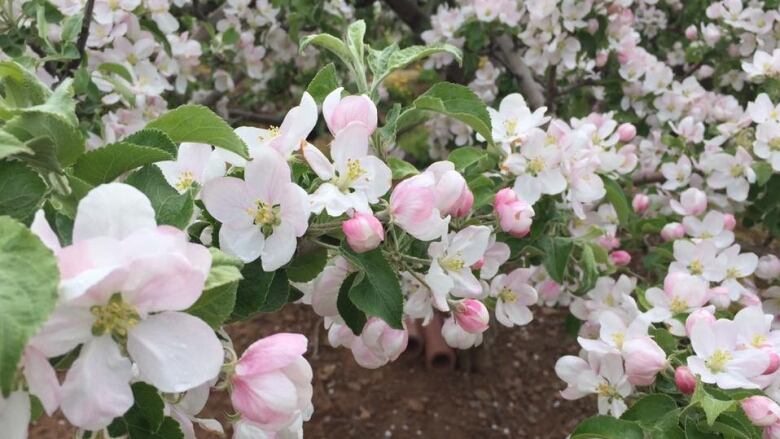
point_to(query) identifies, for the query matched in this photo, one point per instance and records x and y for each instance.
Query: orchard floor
(511, 390)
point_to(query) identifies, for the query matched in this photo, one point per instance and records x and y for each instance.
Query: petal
(41, 379)
(267, 176)
(97, 387)
(41, 228)
(175, 351)
(329, 104)
(295, 208)
(279, 248)
(166, 282)
(318, 162)
(113, 209)
(268, 399)
(271, 353)
(66, 328)
(350, 143)
(244, 242)
(227, 199)
(15, 415)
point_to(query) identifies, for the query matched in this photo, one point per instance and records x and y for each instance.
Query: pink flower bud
(273, 369)
(462, 207)
(601, 58)
(761, 410)
(685, 380)
(340, 112)
(593, 26)
(774, 360)
(620, 258)
(768, 267)
(719, 296)
(549, 290)
(699, 316)
(515, 216)
(640, 203)
(453, 196)
(363, 231)
(729, 222)
(691, 33)
(378, 344)
(626, 132)
(471, 315)
(644, 359)
(608, 241)
(672, 231)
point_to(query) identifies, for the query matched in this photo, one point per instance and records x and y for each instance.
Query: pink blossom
(644, 359)
(704, 315)
(471, 315)
(692, 202)
(761, 410)
(515, 216)
(272, 381)
(378, 344)
(413, 208)
(729, 221)
(453, 196)
(640, 203)
(626, 132)
(672, 231)
(685, 380)
(363, 231)
(620, 258)
(341, 111)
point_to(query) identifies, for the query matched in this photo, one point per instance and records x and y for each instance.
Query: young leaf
(252, 290)
(67, 142)
(216, 303)
(466, 156)
(401, 169)
(712, 407)
(379, 294)
(329, 42)
(21, 87)
(10, 145)
(557, 252)
(324, 82)
(154, 138)
(402, 58)
(196, 123)
(617, 198)
(607, 427)
(105, 164)
(650, 409)
(355, 34)
(278, 293)
(28, 292)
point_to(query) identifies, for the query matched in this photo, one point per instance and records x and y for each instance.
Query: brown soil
(509, 391)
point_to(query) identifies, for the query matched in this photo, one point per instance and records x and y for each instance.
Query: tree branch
(532, 90)
(81, 43)
(411, 14)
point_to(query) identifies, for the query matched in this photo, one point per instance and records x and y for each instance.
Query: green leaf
(28, 292)
(466, 156)
(67, 142)
(712, 407)
(21, 87)
(557, 252)
(453, 100)
(230, 36)
(146, 418)
(71, 27)
(117, 69)
(330, 43)
(353, 317)
(763, 172)
(355, 34)
(10, 145)
(278, 293)
(665, 339)
(60, 104)
(380, 293)
(169, 205)
(155, 138)
(607, 427)
(590, 270)
(196, 123)
(408, 55)
(650, 409)
(483, 189)
(105, 164)
(216, 303)
(21, 191)
(401, 168)
(324, 82)
(306, 265)
(377, 61)
(617, 198)
(252, 290)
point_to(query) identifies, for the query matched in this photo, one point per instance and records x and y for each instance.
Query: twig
(411, 14)
(656, 177)
(268, 119)
(81, 43)
(532, 90)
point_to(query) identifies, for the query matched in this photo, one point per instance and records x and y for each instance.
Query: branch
(411, 14)
(642, 179)
(243, 115)
(81, 43)
(532, 90)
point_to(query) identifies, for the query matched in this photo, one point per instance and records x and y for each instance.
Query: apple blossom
(457, 337)
(195, 163)
(363, 232)
(768, 267)
(761, 410)
(340, 111)
(672, 231)
(685, 380)
(640, 203)
(515, 215)
(413, 208)
(603, 376)
(620, 258)
(514, 295)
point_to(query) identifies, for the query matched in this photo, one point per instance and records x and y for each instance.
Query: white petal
(227, 199)
(267, 176)
(115, 210)
(175, 351)
(15, 415)
(318, 162)
(350, 143)
(41, 379)
(245, 242)
(97, 387)
(279, 248)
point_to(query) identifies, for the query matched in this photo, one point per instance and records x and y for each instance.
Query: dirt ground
(509, 390)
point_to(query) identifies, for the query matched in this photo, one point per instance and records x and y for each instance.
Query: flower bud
(672, 231)
(626, 132)
(363, 231)
(729, 222)
(640, 203)
(720, 297)
(685, 380)
(691, 33)
(340, 112)
(608, 241)
(456, 337)
(471, 315)
(644, 359)
(601, 58)
(593, 26)
(768, 267)
(761, 410)
(774, 360)
(699, 316)
(378, 344)
(515, 216)
(620, 258)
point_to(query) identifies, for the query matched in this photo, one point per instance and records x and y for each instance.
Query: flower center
(353, 172)
(718, 360)
(774, 144)
(185, 180)
(696, 267)
(272, 132)
(452, 263)
(733, 273)
(507, 296)
(758, 340)
(618, 338)
(266, 216)
(678, 306)
(737, 170)
(510, 126)
(606, 390)
(116, 317)
(535, 166)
